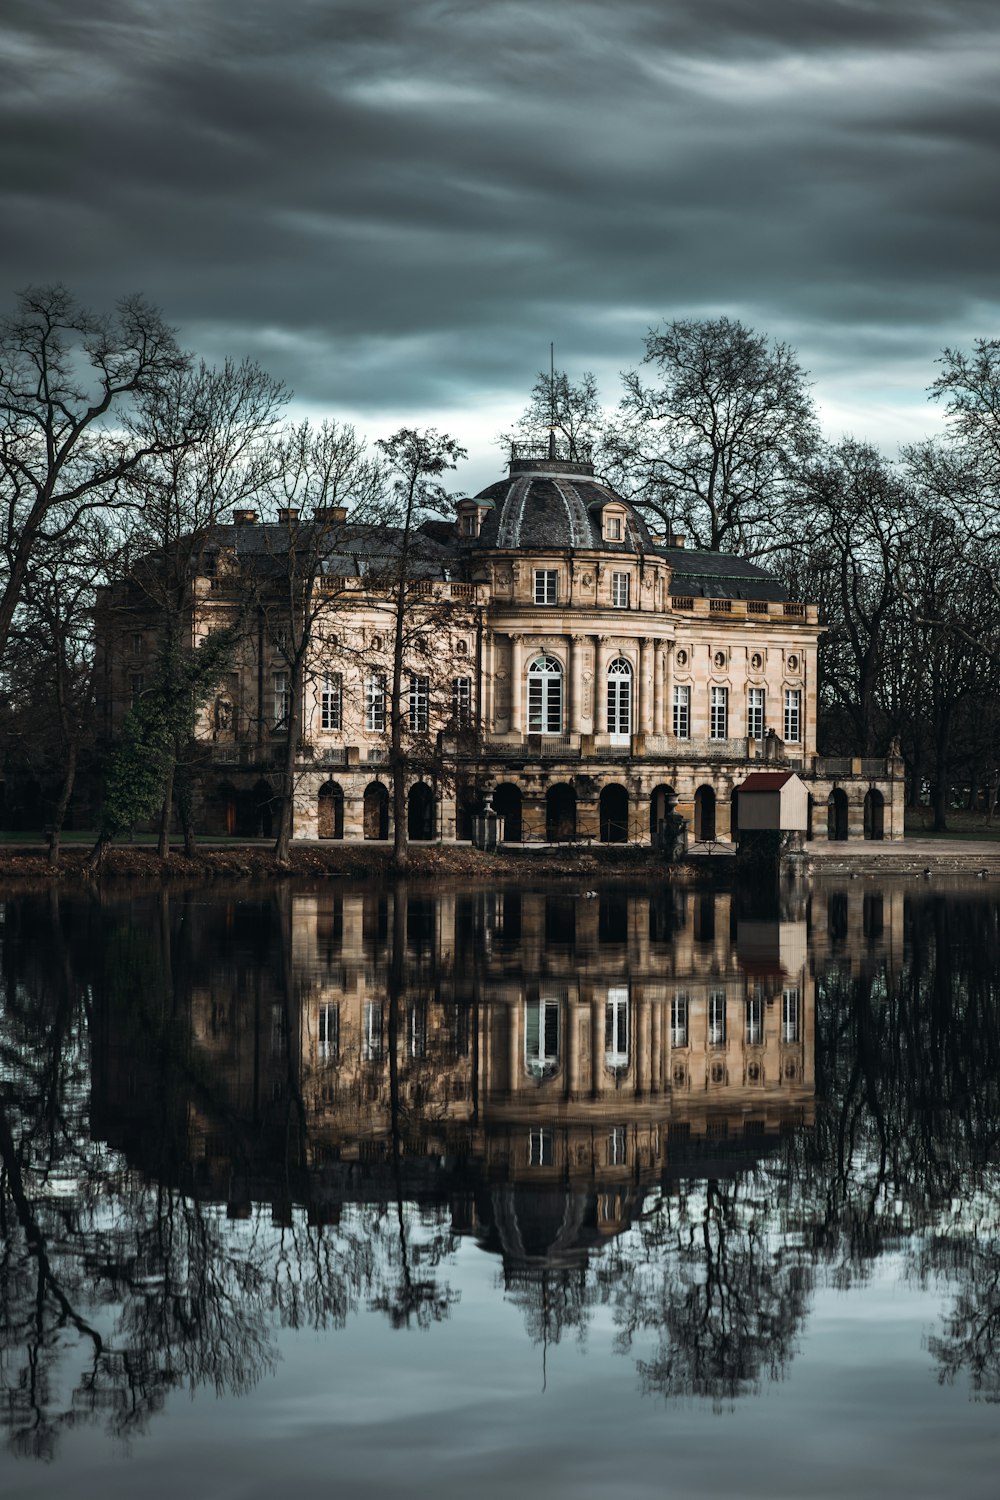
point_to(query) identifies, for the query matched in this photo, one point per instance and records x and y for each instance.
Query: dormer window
(469, 523)
(613, 528)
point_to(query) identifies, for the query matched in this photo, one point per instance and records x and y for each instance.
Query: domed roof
(547, 504)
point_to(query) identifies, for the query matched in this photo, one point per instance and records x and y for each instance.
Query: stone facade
(564, 663)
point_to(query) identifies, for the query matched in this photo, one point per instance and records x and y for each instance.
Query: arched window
(620, 699)
(545, 696)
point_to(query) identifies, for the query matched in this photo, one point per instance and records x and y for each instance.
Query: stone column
(659, 696)
(514, 1045)
(645, 724)
(668, 687)
(516, 684)
(601, 659)
(575, 675)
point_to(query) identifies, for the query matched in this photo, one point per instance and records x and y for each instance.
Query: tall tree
(296, 582)
(559, 409)
(712, 445)
(73, 386)
(415, 461)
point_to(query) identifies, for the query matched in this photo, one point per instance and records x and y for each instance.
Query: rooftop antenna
(552, 400)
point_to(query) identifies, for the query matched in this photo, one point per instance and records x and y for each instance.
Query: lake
(437, 1190)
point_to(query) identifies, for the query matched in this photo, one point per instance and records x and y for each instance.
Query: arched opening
(734, 815)
(230, 815)
(330, 811)
(874, 814)
(420, 811)
(614, 814)
(263, 809)
(507, 805)
(468, 802)
(704, 814)
(545, 696)
(620, 699)
(560, 813)
(836, 816)
(376, 811)
(658, 808)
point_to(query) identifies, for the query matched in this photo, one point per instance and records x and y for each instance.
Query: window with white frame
(375, 703)
(546, 586)
(719, 721)
(790, 1014)
(682, 713)
(755, 714)
(620, 698)
(755, 1018)
(617, 1153)
(616, 1029)
(619, 590)
(418, 1029)
(541, 1037)
(545, 696)
(330, 701)
(613, 528)
(329, 1032)
(419, 703)
(282, 699)
(461, 702)
(371, 1037)
(679, 1021)
(793, 715)
(717, 1018)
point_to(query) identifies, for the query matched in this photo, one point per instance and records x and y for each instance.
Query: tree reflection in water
(223, 1118)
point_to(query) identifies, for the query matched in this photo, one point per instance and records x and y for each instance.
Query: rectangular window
(540, 1148)
(682, 713)
(719, 723)
(282, 699)
(137, 643)
(755, 1019)
(375, 703)
(679, 1021)
(546, 585)
(329, 1032)
(717, 1018)
(136, 683)
(461, 702)
(617, 1147)
(793, 715)
(418, 1030)
(419, 698)
(614, 531)
(330, 701)
(371, 1041)
(619, 590)
(789, 1015)
(755, 714)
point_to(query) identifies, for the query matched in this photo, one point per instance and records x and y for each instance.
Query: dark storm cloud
(396, 205)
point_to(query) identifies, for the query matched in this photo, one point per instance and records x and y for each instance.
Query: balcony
(741, 609)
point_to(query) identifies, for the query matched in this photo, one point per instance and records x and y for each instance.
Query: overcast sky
(395, 204)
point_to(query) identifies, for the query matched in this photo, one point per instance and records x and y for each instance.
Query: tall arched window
(545, 696)
(620, 698)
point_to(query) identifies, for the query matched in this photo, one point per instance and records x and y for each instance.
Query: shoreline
(705, 864)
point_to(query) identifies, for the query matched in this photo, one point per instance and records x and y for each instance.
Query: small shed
(775, 800)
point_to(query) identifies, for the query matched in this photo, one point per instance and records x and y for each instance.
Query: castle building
(561, 661)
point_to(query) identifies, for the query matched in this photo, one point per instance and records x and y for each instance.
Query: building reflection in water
(677, 1104)
(542, 1059)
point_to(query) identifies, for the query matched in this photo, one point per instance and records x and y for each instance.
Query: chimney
(244, 517)
(287, 516)
(334, 515)
(678, 539)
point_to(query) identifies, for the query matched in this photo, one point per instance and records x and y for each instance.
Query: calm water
(576, 1193)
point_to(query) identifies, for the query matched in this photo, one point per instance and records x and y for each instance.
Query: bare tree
(558, 408)
(712, 447)
(295, 581)
(72, 385)
(415, 460)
